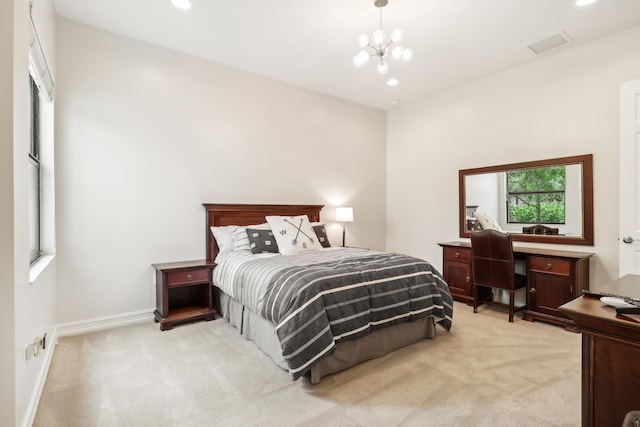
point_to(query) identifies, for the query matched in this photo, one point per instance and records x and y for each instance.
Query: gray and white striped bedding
(318, 299)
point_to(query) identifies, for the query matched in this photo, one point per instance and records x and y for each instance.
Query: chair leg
(475, 298)
(512, 301)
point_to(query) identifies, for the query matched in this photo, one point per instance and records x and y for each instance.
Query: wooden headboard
(219, 215)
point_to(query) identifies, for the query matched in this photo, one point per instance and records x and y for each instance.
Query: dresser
(554, 277)
(610, 355)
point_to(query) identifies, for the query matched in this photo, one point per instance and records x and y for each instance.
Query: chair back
(540, 229)
(492, 259)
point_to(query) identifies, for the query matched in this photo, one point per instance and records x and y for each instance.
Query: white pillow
(241, 239)
(487, 221)
(224, 238)
(293, 234)
(234, 237)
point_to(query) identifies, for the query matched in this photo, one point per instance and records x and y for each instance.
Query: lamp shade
(344, 214)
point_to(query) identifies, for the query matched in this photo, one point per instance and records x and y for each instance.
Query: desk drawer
(457, 254)
(550, 265)
(188, 277)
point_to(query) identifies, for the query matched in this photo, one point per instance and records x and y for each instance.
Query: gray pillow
(262, 241)
(321, 234)
(474, 225)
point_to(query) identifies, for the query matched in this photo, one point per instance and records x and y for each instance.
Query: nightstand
(183, 292)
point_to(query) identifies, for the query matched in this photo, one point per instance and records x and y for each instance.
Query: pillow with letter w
(293, 234)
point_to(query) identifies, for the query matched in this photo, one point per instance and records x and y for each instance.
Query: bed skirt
(347, 354)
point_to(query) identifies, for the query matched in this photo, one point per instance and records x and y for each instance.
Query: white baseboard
(106, 322)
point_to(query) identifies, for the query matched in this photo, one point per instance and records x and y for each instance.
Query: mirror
(557, 209)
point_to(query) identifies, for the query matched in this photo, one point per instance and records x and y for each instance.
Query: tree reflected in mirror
(536, 195)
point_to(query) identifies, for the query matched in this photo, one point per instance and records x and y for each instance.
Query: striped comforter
(318, 299)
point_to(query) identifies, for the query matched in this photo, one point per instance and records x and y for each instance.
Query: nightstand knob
(457, 255)
(468, 279)
(549, 266)
(532, 290)
(188, 276)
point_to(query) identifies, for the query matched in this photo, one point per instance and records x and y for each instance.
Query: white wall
(145, 135)
(482, 191)
(562, 105)
(27, 309)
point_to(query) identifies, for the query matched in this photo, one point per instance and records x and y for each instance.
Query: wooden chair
(540, 229)
(493, 266)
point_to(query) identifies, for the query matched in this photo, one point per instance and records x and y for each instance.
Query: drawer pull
(532, 290)
(457, 255)
(188, 276)
(468, 279)
(549, 266)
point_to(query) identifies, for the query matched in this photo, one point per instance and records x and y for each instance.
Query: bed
(312, 332)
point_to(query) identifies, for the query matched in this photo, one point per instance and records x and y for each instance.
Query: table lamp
(344, 215)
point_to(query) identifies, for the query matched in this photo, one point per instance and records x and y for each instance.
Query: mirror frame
(587, 198)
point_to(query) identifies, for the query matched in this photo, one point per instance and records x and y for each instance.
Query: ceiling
(311, 43)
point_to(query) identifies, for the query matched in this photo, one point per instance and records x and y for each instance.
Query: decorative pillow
(321, 234)
(240, 238)
(293, 234)
(262, 241)
(474, 225)
(487, 221)
(224, 238)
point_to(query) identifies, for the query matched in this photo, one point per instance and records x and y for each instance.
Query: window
(536, 195)
(34, 175)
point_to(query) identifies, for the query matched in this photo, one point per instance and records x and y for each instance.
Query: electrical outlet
(35, 348)
(28, 352)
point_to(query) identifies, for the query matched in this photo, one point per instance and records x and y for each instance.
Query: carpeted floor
(486, 372)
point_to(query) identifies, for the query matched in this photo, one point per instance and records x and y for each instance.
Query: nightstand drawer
(457, 254)
(550, 265)
(186, 277)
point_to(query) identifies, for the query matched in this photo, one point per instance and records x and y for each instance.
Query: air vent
(550, 42)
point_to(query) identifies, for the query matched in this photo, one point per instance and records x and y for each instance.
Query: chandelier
(380, 46)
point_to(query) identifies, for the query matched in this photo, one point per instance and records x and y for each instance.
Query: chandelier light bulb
(363, 40)
(360, 59)
(397, 52)
(407, 54)
(396, 35)
(378, 37)
(383, 68)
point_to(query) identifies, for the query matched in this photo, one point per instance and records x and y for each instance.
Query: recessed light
(392, 82)
(182, 4)
(584, 2)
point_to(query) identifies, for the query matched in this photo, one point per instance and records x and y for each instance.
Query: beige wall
(7, 288)
(564, 104)
(145, 135)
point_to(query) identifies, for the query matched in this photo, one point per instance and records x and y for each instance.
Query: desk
(610, 357)
(554, 277)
